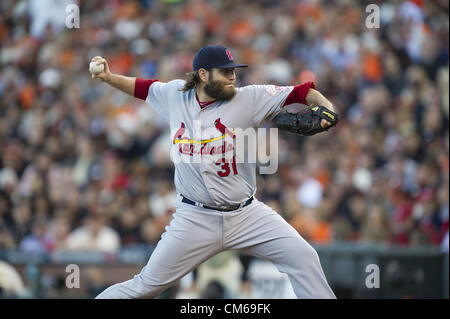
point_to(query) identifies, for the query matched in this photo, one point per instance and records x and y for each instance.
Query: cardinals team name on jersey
(191, 146)
(192, 149)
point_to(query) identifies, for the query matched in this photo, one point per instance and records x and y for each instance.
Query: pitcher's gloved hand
(307, 122)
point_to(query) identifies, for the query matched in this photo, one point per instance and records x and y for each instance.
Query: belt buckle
(231, 208)
(226, 209)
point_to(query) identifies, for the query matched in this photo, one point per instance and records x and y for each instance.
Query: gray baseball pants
(195, 234)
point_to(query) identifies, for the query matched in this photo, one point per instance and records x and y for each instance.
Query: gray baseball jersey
(221, 180)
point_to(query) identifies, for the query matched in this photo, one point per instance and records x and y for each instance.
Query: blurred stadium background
(85, 176)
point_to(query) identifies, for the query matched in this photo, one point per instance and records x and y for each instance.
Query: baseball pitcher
(215, 207)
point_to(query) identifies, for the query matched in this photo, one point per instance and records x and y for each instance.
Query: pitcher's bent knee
(299, 251)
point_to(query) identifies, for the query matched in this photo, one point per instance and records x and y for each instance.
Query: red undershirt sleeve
(298, 94)
(141, 87)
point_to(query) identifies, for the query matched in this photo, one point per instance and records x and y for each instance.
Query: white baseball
(96, 67)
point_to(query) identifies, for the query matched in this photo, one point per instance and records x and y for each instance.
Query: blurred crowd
(85, 167)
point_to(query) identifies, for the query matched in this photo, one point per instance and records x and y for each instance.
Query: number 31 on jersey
(225, 166)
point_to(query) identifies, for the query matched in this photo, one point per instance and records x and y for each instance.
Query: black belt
(228, 209)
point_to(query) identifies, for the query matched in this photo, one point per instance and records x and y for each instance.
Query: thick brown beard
(217, 90)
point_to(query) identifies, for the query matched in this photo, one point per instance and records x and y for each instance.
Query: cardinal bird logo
(179, 137)
(179, 133)
(223, 129)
